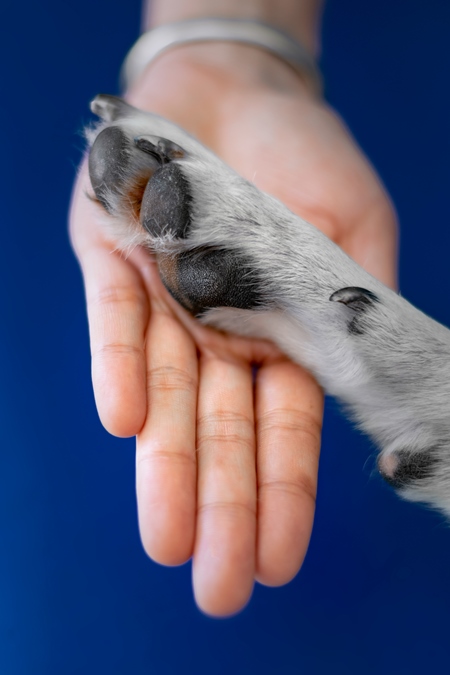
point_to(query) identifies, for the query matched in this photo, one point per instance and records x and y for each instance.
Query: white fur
(394, 377)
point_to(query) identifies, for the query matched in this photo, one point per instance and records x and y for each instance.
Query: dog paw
(239, 260)
(174, 197)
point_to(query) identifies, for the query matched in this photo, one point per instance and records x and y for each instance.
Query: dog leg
(241, 261)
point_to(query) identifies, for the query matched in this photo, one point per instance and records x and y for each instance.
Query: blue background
(77, 593)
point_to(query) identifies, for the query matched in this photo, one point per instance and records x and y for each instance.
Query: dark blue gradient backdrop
(77, 593)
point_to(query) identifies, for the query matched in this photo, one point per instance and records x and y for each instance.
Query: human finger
(289, 405)
(118, 309)
(224, 555)
(165, 451)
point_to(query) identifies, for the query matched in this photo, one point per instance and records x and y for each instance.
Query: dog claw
(111, 108)
(357, 298)
(161, 148)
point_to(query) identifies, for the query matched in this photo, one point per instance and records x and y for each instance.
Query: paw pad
(205, 278)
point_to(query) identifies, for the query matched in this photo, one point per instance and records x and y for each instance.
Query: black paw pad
(357, 299)
(165, 207)
(118, 170)
(409, 467)
(108, 160)
(207, 278)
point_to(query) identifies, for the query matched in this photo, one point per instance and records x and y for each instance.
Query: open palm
(228, 430)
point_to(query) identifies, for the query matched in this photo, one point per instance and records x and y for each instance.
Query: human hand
(226, 470)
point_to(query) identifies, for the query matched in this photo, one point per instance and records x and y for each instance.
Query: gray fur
(392, 371)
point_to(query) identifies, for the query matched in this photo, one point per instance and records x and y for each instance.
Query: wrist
(298, 18)
(229, 64)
